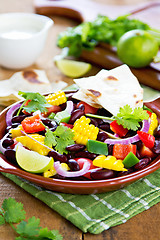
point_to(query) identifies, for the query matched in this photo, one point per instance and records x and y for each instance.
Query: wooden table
(144, 226)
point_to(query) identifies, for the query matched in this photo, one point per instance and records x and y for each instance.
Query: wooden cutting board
(104, 55)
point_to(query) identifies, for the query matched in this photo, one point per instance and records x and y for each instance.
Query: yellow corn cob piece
(109, 162)
(154, 123)
(56, 98)
(33, 145)
(16, 132)
(84, 131)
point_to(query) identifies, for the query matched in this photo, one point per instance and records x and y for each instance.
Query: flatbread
(29, 81)
(112, 89)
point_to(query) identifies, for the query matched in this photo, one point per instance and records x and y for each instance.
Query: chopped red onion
(145, 128)
(62, 172)
(11, 112)
(69, 107)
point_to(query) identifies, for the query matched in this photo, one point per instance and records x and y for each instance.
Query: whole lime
(137, 48)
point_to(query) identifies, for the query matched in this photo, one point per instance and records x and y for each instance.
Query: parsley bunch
(12, 212)
(103, 29)
(60, 138)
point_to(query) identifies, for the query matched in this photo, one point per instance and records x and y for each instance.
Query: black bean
(105, 127)
(75, 147)
(49, 123)
(81, 106)
(94, 122)
(57, 156)
(139, 144)
(85, 154)
(99, 121)
(110, 149)
(102, 174)
(10, 154)
(157, 132)
(124, 173)
(8, 128)
(14, 125)
(156, 148)
(74, 166)
(75, 115)
(7, 142)
(142, 163)
(102, 136)
(18, 119)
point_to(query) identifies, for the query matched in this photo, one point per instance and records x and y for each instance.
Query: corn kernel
(16, 132)
(33, 145)
(56, 98)
(154, 124)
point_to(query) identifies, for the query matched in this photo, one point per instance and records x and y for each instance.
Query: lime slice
(73, 69)
(32, 161)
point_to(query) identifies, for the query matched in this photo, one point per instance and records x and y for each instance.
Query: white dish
(22, 38)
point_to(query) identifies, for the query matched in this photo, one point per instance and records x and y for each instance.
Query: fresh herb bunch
(103, 29)
(12, 212)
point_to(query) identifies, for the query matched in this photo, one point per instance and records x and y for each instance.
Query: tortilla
(112, 89)
(29, 80)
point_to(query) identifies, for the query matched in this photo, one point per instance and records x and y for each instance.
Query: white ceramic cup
(22, 38)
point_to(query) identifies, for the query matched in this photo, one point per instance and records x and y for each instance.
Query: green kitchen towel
(98, 212)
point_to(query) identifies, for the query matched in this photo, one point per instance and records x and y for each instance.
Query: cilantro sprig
(12, 212)
(35, 101)
(130, 118)
(60, 138)
(127, 117)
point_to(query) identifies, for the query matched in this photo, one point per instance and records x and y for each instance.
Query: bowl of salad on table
(99, 138)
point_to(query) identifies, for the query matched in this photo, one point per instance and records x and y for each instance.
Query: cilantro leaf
(30, 228)
(49, 235)
(60, 138)
(13, 211)
(2, 220)
(129, 118)
(37, 102)
(50, 139)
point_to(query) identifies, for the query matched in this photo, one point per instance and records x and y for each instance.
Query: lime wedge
(73, 69)
(32, 161)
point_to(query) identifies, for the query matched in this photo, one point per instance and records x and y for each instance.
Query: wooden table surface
(144, 226)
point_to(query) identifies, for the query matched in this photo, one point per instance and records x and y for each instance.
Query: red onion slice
(69, 107)
(145, 128)
(11, 112)
(62, 172)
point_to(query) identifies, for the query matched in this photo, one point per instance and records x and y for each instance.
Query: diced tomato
(88, 108)
(51, 109)
(32, 124)
(81, 162)
(146, 152)
(119, 129)
(120, 151)
(146, 138)
(149, 113)
(67, 125)
(26, 103)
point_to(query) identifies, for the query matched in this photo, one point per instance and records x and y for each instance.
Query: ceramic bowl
(22, 38)
(80, 187)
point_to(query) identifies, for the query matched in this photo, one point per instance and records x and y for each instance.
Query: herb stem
(100, 117)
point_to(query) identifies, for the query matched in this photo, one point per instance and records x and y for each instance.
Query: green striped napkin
(98, 212)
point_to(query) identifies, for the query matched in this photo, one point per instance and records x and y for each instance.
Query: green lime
(32, 161)
(73, 69)
(137, 48)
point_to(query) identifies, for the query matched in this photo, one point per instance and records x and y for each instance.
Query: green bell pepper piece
(62, 116)
(97, 147)
(130, 160)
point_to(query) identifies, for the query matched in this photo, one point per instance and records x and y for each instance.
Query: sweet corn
(154, 123)
(84, 131)
(56, 98)
(33, 145)
(109, 162)
(16, 132)
(49, 173)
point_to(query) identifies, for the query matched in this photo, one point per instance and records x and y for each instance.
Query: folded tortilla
(29, 81)
(111, 89)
